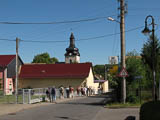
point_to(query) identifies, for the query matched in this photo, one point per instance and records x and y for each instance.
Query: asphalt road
(90, 108)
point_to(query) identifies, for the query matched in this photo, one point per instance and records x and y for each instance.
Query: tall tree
(44, 58)
(149, 49)
(135, 68)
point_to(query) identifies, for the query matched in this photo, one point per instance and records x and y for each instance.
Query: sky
(104, 40)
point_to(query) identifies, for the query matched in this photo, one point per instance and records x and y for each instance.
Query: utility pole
(16, 86)
(122, 37)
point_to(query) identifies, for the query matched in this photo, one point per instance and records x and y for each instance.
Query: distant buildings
(71, 73)
(113, 60)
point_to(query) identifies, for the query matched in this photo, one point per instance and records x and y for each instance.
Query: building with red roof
(7, 71)
(45, 75)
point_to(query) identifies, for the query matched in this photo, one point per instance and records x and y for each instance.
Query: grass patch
(121, 105)
(10, 99)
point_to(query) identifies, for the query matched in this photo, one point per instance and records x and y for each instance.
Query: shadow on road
(66, 118)
(98, 100)
(130, 118)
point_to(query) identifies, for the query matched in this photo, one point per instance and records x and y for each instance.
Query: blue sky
(97, 50)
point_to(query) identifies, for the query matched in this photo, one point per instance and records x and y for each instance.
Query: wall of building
(105, 87)
(12, 68)
(43, 83)
(49, 82)
(90, 81)
(1, 80)
(74, 59)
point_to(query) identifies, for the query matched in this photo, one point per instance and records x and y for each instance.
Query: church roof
(77, 70)
(72, 50)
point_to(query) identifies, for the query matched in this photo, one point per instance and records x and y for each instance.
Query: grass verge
(121, 105)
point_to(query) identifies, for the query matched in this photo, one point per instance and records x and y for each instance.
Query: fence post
(23, 96)
(39, 93)
(29, 96)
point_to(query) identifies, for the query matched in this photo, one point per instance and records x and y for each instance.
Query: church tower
(72, 54)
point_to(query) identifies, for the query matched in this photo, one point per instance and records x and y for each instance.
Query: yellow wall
(43, 83)
(90, 81)
(105, 87)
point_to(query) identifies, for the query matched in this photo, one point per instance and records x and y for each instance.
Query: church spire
(72, 53)
(72, 41)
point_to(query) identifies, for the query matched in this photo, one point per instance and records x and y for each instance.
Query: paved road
(90, 108)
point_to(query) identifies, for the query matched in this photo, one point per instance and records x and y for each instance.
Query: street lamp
(112, 19)
(147, 31)
(123, 63)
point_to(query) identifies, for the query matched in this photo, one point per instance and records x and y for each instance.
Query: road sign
(123, 73)
(138, 77)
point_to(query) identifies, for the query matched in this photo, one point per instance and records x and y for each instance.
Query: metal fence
(29, 96)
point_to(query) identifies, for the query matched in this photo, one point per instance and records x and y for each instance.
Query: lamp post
(123, 62)
(147, 31)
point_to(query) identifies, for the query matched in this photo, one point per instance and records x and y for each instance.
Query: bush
(132, 99)
(150, 111)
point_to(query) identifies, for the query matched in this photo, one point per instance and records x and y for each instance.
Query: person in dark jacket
(53, 94)
(48, 93)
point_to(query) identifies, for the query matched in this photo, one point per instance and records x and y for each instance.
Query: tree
(134, 68)
(149, 49)
(99, 69)
(44, 58)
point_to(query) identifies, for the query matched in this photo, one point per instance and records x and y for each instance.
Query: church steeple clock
(72, 54)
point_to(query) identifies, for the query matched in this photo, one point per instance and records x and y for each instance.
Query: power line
(83, 39)
(58, 22)
(7, 40)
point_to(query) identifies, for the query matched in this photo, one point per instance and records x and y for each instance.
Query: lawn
(121, 105)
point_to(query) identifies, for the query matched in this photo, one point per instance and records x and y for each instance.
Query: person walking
(67, 92)
(61, 90)
(48, 93)
(53, 94)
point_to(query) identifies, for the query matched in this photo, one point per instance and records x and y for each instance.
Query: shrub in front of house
(150, 111)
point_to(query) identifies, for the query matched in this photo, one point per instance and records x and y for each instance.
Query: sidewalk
(13, 108)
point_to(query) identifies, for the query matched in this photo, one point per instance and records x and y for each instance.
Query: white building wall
(113, 59)
(74, 59)
(90, 81)
(105, 87)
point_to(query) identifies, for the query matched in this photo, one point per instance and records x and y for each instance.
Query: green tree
(99, 69)
(44, 58)
(134, 67)
(150, 52)
(147, 53)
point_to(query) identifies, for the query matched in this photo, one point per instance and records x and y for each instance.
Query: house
(45, 75)
(8, 72)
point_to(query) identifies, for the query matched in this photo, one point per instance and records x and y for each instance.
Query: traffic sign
(123, 73)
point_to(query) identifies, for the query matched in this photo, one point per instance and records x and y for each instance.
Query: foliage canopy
(44, 58)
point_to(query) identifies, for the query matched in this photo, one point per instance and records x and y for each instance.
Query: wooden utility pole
(16, 85)
(122, 37)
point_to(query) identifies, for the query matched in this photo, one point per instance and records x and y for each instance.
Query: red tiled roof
(79, 70)
(6, 59)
